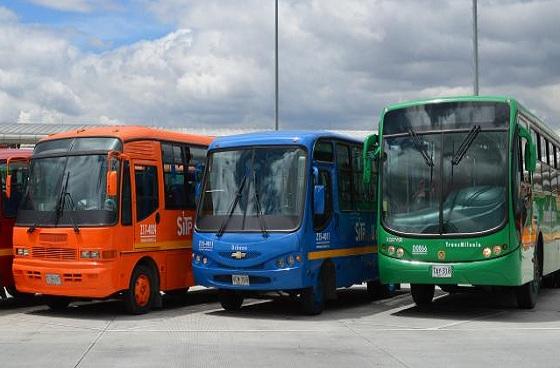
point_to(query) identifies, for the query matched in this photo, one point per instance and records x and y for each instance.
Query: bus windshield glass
(68, 190)
(445, 169)
(253, 189)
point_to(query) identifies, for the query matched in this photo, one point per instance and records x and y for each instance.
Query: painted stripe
(6, 252)
(160, 246)
(331, 253)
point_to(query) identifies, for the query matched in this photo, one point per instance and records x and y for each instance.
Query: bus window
(197, 159)
(323, 151)
(19, 172)
(146, 190)
(364, 196)
(126, 216)
(174, 163)
(344, 173)
(321, 221)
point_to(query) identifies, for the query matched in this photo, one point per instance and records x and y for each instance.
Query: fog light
(291, 260)
(400, 252)
(497, 250)
(486, 252)
(204, 260)
(280, 262)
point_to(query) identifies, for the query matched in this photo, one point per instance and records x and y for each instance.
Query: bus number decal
(205, 245)
(419, 249)
(148, 233)
(184, 225)
(323, 240)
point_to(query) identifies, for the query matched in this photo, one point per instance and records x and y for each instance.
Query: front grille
(72, 277)
(66, 254)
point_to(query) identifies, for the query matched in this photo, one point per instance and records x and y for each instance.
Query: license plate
(242, 280)
(442, 271)
(53, 279)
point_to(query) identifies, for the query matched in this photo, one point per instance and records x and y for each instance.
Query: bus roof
(6, 153)
(132, 133)
(400, 105)
(283, 137)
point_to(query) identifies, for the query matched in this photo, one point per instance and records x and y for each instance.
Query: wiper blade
(232, 207)
(259, 209)
(420, 147)
(465, 145)
(62, 203)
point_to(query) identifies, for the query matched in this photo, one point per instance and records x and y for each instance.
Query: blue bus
(285, 211)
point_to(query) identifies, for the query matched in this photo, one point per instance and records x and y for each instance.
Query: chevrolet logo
(238, 255)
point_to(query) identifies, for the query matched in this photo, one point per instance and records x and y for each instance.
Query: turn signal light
(497, 250)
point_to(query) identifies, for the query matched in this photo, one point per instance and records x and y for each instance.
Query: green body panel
(514, 266)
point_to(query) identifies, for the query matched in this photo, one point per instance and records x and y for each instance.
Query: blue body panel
(348, 240)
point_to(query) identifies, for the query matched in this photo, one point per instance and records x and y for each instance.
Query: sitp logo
(184, 225)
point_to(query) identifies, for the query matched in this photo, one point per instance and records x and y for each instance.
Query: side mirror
(112, 183)
(370, 153)
(530, 149)
(8, 186)
(319, 200)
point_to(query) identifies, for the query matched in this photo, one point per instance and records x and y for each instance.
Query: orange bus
(14, 173)
(109, 212)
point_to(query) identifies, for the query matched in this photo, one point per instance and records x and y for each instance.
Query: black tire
(57, 303)
(142, 290)
(422, 294)
(527, 294)
(17, 294)
(451, 289)
(313, 298)
(230, 300)
(376, 290)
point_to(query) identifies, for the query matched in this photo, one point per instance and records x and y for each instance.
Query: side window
(320, 221)
(537, 138)
(364, 197)
(323, 151)
(344, 176)
(197, 159)
(126, 215)
(146, 190)
(20, 173)
(174, 164)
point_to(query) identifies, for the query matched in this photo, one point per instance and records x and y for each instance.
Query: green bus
(468, 196)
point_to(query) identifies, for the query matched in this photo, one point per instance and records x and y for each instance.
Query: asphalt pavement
(471, 329)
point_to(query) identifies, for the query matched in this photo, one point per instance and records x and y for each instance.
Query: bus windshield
(68, 191)
(253, 189)
(446, 166)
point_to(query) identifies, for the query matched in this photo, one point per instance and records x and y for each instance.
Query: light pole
(276, 65)
(475, 47)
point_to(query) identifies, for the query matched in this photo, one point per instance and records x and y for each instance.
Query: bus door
(146, 197)
(324, 225)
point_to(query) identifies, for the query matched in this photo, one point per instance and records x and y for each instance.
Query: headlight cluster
(392, 250)
(22, 251)
(90, 254)
(496, 251)
(197, 258)
(290, 261)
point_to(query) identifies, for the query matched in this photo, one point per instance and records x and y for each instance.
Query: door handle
(157, 218)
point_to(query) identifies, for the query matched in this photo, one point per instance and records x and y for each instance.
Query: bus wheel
(140, 296)
(527, 294)
(57, 303)
(377, 290)
(230, 300)
(313, 298)
(422, 294)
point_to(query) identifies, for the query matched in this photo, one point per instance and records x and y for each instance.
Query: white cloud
(340, 63)
(78, 6)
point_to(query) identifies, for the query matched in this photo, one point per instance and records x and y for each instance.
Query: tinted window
(344, 177)
(321, 221)
(126, 217)
(146, 190)
(175, 159)
(323, 152)
(19, 172)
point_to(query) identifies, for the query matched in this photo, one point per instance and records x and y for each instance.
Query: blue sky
(210, 63)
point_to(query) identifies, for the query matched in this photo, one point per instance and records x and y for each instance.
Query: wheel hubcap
(142, 290)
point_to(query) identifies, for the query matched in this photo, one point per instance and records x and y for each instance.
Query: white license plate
(53, 279)
(242, 280)
(442, 271)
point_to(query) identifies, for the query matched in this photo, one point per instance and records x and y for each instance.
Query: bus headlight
(22, 251)
(391, 249)
(291, 260)
(204, 260)
(281, 262)
(400, 252)
(497, 250)
(197, 258)
(486, 252)
(90, 254)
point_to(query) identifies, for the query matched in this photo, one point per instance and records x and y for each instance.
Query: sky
(210, 63)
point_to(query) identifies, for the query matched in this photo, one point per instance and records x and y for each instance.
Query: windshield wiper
(420, 147)
(259, 209)
(232, 207)
(465, 145)
(62, 202)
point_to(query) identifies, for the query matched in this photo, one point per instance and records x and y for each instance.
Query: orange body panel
(167, 243)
